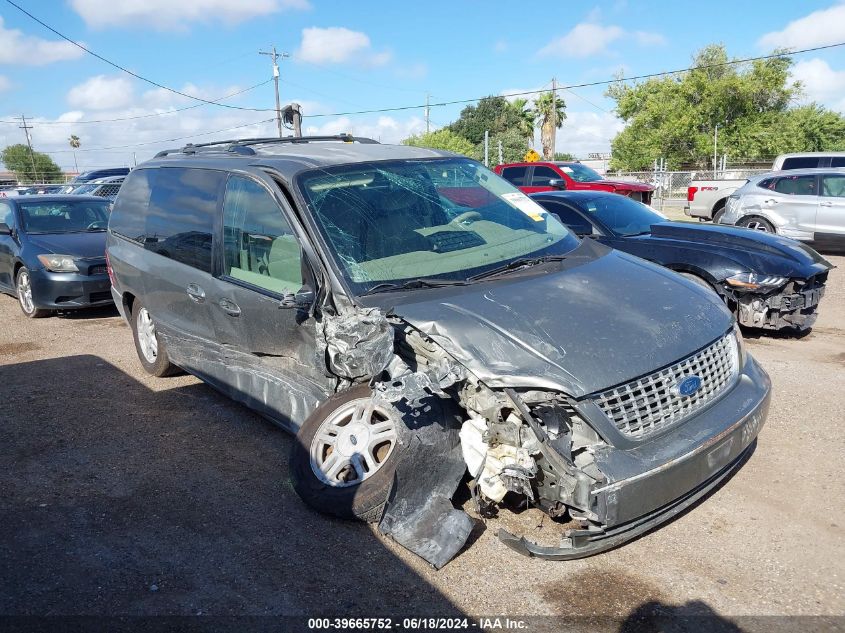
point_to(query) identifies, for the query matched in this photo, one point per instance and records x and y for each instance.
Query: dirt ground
(131, 495)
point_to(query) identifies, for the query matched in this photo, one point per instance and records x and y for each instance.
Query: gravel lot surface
(127, 494)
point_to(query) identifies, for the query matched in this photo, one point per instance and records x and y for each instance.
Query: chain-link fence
(670, 187)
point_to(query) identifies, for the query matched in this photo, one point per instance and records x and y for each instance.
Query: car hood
(578, 330)
(761, 252)
(627, 185)
(82, 245)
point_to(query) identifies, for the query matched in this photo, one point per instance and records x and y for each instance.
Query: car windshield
(449, 219)
(64, 217)
(579, 172)
(621, 214)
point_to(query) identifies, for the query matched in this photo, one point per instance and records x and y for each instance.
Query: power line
(165, 140)
(154, 114)
(592, 83)
(129, 72)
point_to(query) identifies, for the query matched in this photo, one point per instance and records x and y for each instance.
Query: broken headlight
(755, 282)
(58, 263)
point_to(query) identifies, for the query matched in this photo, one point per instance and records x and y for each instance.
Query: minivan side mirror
(5, 229)
(302, 299)
(557, 183)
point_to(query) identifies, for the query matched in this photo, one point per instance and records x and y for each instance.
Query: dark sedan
(769, 282)
(52, 252)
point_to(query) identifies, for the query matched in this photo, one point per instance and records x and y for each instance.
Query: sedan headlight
(753, 281)
(59, 263)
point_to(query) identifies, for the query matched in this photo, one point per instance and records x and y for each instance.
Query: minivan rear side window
(801, 162)
(180, 219)
(259, 246)
(129, 216)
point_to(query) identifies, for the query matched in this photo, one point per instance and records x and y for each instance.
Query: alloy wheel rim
(754, 225)
(25, 292)
(147, 336)
(353, 443)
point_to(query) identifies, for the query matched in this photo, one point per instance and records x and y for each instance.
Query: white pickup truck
(706, 198)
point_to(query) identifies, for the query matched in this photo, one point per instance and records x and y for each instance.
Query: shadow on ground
(120, 500)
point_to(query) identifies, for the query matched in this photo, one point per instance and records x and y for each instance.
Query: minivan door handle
(229, 307)
(196, 293)
(826, 204)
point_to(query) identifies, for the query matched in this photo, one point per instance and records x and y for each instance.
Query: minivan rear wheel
(345, 455)
(151, 348)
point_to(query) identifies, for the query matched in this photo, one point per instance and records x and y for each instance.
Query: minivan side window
(837, 161)
(515, 175)
(801, 162)
(258, 243)
(6, 215)
(796, 185)
(129, 215)
(180, 220)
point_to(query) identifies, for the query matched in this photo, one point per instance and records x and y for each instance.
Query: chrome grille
(652, 403)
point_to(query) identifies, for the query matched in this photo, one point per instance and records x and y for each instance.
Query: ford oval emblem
(688, 386)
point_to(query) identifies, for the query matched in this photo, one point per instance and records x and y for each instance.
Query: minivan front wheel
(151, 348)
(23, 287)
(345, 455)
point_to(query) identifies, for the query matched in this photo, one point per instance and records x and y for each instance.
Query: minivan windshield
(447, 219)
(64, 216)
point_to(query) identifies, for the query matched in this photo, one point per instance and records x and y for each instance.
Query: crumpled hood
(81, 245)
(579, 330)
(763, 252)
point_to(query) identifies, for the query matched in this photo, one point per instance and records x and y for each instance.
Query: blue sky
(351, 56)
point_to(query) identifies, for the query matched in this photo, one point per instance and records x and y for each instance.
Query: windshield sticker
(526, 205)
(566, 170)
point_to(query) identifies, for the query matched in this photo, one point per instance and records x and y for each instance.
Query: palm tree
(526, 118)
(75, 143)
(549, 120)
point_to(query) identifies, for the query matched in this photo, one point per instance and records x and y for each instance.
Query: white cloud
(819, 28)
(822, 83)
(27, 50)
(177, 14)
(337, 45)
(101, 93)
(384, 129)
(5, 84)
(585, 132)
(592, 38)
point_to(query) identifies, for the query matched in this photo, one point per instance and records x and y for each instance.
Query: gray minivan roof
(289, 157)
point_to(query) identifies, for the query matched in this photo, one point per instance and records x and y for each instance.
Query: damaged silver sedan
(413, 317)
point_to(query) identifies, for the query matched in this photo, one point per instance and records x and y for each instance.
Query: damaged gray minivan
(411, 316)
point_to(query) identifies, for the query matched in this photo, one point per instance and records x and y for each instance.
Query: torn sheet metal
(419, 514)
(357, 345)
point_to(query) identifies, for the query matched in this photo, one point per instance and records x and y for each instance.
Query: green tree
(493, 114)
(442, 139)
(564, 156)
(18, 159)
(513, 147)
(550, 118)
(525, 119)
(752, 104)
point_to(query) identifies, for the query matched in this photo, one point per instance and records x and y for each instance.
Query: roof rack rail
(242, 146)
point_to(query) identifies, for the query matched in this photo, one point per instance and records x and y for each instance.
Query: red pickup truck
(548, 176)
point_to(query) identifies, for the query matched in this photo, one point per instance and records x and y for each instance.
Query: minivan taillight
(691, 191)
(109, 269)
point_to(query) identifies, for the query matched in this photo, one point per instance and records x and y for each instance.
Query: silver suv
(804, 204)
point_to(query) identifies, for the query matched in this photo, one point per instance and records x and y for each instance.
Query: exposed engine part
(497, 469)
(794, 305)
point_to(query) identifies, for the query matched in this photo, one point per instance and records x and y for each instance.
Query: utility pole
(715, 145)
(554, 115)
(275, 57)
(26, 128)
(427, 113)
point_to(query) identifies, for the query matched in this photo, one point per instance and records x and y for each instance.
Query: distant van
(809, 160)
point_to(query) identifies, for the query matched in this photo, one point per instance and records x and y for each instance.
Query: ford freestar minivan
(411, 316)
